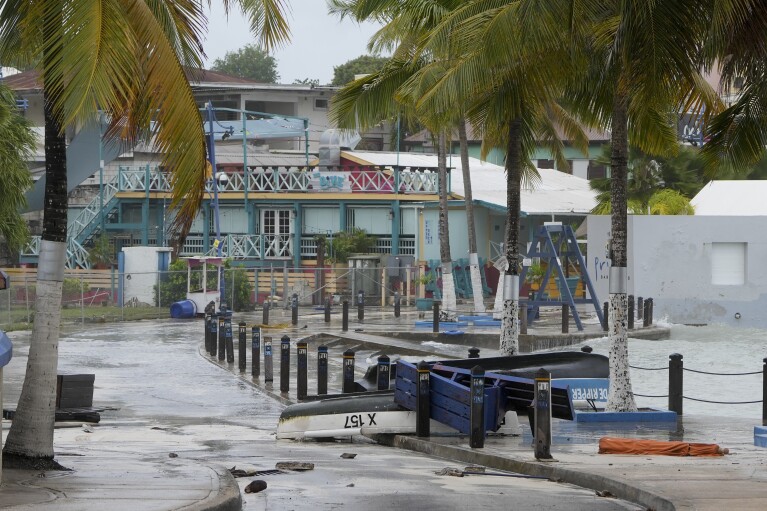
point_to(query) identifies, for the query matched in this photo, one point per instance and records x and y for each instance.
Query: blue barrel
(183, 309)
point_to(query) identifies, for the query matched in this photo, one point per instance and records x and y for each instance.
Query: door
(277, 230)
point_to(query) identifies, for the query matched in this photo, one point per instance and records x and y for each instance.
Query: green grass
(18, 319)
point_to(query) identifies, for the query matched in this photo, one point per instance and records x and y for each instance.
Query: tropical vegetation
(250, 62)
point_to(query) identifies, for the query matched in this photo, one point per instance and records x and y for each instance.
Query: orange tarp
(609, 445)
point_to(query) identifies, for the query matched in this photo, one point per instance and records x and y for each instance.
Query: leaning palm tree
(137, 78)
(17, 142)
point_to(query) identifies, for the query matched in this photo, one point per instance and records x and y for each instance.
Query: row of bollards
(219, 343)
(643, 311)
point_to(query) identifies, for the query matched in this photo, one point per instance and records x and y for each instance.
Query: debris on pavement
(449, 471)
(349, 455)
(255, 486)
(298, 466)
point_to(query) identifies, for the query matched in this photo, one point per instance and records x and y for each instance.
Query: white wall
(140, 275)
(670, 260)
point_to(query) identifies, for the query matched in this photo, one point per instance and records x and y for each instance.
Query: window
(728, 264)
(320, 104)
(596, 171)
(545, 164)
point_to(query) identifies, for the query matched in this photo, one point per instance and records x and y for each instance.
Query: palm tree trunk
(510, 285)
(449, 306)
(476, 277)
(620, 397)
(30, 439)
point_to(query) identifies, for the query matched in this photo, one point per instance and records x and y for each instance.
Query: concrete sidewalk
(120, 482)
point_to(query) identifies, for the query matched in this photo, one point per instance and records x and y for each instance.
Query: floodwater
(713, 348)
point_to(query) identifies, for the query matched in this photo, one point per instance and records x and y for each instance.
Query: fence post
(523, 318)
(542, 415)
(207, 332)
(348, 374)
(764, 392)
(302, 368)
(435, 318)
(423, 401)
(407, 286)
(268, 360)
(640, 307)
(221, 337)
(383, 373)
(565, 318)
(631, 312)
(294, 309)
(477, 411)
(242, 345)
(327, 309)
(255, 364)
(652, 310)
(396, 304)
(675, 383)
(284, 363)
(473, 352)
(605, 316)
(322, 370)
(265, 316)
(82, 300)
(345, 316)
(646, 319)
(361, 305)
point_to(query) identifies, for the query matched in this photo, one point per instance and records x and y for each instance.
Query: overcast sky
(319, 41)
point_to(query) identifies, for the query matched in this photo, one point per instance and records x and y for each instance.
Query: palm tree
(137, 78)
(374, 98)
(642, 66)
(17, 142)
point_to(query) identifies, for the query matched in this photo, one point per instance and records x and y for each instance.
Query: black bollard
(302, 368)
(213, 333)
(322, 370)
(361, 305)
(423, 401)
(327, 309)
(523, 318)
(605, 316)
(265, 317)
(631, 312)
(473, 352)
(285, 364)
(242, 345)
(348, 372)
(294, 309)
(477, 411)
(268, 360)
(435, 318)
(652, 310)
(383, 372)
(229, 340)
(587, 349)
(221, 337)
(764, 392)
(345, 317)
(207, 332)
(675, 383)
(640, 307)
(646, 319)
(255, 335)
(565, 318)
(396, 304)
(542, 415)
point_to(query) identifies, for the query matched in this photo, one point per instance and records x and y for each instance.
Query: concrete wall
(140, 273)
(670, 260)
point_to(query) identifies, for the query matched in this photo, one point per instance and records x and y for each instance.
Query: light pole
(215, 178)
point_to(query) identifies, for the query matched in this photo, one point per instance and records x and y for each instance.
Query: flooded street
(712, 348)
(163, 398)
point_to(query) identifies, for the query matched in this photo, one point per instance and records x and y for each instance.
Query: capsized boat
(371, 412)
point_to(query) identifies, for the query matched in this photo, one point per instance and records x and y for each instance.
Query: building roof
(557, 193)
(732, 198)
(472, 135)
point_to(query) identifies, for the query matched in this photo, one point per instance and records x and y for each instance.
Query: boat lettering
(357, 421)
(596, 394)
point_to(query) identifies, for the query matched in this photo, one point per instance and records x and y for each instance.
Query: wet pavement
(175, 420)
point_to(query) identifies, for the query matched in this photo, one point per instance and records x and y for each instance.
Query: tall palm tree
(17, 142)
(643, 66)
(135, 75)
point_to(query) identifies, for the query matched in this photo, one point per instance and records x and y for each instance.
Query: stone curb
(618, 487)
(228, 497)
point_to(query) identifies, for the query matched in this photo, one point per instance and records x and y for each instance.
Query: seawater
(712, 348)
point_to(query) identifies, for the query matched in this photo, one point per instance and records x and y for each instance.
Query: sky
(319, 41)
